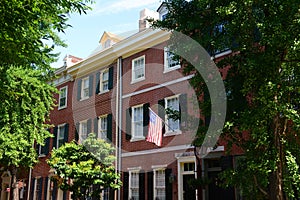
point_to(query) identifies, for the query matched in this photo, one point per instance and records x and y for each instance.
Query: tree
(85, 169)
(29, 32)
(262, 85)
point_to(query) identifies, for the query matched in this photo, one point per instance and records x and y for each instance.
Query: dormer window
(107, 43)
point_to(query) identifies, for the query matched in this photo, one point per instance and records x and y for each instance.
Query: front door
(189, 192)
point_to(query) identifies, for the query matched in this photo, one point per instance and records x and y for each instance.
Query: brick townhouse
(110, 93)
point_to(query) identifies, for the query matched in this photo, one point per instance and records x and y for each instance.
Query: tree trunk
(14, 184)
(276, 178)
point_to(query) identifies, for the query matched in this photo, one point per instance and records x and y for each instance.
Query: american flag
(155, 128)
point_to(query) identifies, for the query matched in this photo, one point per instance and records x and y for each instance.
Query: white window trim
(166, 62)
(99, 125)
(170, 132)
(41, 155)
(135, 138)
(80, 130)
(101, 91)
(58, 132)
(82, 88)
(132, 170)
(154, 179)
(133, 80)
(59, 97)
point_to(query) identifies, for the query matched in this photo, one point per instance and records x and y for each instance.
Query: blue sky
(116, 16)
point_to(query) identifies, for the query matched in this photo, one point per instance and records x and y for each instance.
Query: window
(134, 184)
(103, 127)
(159, 184)
(60, 136)
(83, 130)
(43, 150)
(62, 97)
(104, 81)
(137, 122)
(38, 188)
(169, 62)
(173, 104)
(138, 69)
(85, 88)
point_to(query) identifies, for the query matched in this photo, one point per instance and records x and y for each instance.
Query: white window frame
(131, 172)
(102, 133)
(135, 136)
(155, 187)
(167, 59)
(170, 132)
(58, 138)
(102, 81)
(61, 97)
(36, 195)
(84, 87)
(134, 80)
(81, 138)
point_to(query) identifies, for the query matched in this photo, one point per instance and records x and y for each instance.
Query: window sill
(172, 133)
(135, 139)
(103, 92)
(84, 98)
(169, 69)
(137, 80)
(61, 108)
(42, 155)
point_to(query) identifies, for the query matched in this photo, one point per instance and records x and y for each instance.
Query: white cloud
(121, 5)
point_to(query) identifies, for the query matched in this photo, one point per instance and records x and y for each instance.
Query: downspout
(119, 120)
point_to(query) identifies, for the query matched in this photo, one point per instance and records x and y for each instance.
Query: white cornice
(125, 48)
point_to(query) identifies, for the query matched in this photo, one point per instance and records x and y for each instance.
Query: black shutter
(146, 118)
(79, 89)
(125, 185)
(169, 188)
(37, 147)
(54, 191)
(66, 136)
(111, 194)
(40, 182)
(142, 185)
(55, 129)
(109, 128)
(45, 148)
(77, 132)
(65, 195)
(161, 112)
(91, 85)
(45, 187)
(206, 98)
(150, 185)
(110, 77)
(128, 124)
(89, 126)
(96, 127)
(97, 82)
(32, 188)
(183, 110)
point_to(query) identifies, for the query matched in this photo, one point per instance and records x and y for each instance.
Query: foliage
(25, 105)
(29, 29)
(262, 84)
(77, 169)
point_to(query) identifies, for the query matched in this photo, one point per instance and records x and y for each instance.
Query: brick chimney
(144, 15)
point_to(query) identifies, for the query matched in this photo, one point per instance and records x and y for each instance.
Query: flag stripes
(155, 128)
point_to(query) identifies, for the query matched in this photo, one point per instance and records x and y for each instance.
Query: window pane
(174, 105)
(103, 127)
(60, 136)
(134, 185)
(138, 68)
(104, 81)
(160, 184)
(138, 121)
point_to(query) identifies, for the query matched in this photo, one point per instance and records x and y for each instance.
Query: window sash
(137, 121)
(160, 181)
(138, 68)
(83, 130)
(85, 87)
(172, 103)
(63, 97)
(134, 185)
(60, 136)
(104, 81)
(170, 63)
(103, 127)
